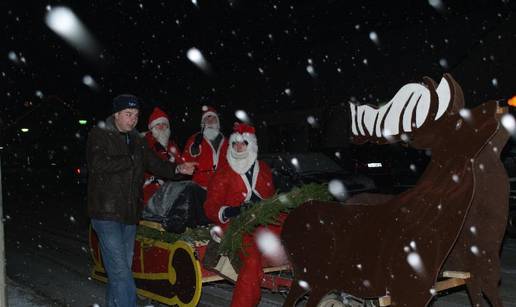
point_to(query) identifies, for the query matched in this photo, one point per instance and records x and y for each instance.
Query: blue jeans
(117, 248)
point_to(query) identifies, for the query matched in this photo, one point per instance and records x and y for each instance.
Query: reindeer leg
(475, 291)
(316, 294)
(490, 285)
(296, 291)
(492, 294)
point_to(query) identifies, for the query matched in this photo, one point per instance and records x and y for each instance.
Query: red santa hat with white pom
(157, 117)
(207, 110)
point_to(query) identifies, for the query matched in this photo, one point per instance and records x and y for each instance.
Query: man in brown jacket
(117, 158)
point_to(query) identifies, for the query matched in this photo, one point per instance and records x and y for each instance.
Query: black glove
(195, 148)
(230, 212)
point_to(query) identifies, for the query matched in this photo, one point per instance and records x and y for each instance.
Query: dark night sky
(258, 52)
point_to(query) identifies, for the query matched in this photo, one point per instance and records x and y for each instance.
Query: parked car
(295, 169)
(396, 168)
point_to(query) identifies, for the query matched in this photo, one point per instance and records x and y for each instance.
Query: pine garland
(191, 235)
(267, 212)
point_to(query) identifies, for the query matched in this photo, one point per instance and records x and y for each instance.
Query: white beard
(210, 133)
(162, 136)
(241, 162)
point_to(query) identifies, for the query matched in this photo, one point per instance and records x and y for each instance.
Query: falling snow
(509, 123)
(242, 115)
(415, 261)
(337, 189)
(303, 284)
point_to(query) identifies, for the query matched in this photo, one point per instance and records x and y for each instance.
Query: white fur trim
(251, 186)
(209, 113)
(240, 166)
(157, 121)
(256, 171)
(215, 152)
(220, 215)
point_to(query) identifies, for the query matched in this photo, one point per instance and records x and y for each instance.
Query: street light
(82, 122)
(24, 130)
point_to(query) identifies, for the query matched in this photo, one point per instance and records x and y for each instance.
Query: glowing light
(24, 130)
(512, 101)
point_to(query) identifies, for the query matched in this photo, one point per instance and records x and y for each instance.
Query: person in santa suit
(158, 139)
(244, 181)
(207, 147)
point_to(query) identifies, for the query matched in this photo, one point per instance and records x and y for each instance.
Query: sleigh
(173, 274)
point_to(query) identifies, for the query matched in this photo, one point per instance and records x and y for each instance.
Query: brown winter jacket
(116, 176)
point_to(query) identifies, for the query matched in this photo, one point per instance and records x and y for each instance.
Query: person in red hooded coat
(244, 181)
(207, 147)
(158, 139)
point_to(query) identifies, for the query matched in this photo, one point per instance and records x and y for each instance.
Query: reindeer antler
(414, 107)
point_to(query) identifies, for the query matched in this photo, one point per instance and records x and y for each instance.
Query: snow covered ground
(20, 296)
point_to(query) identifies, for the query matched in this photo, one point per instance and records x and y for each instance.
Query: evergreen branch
(191, 235)
(267, 212)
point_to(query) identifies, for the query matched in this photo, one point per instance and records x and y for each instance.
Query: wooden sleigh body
(173, 274)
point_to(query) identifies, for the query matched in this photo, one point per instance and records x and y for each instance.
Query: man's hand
(187, 168)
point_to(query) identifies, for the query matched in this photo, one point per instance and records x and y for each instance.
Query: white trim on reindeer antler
(385, 121)
(444, 94)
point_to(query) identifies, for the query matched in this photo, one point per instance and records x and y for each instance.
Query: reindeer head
(411, 115)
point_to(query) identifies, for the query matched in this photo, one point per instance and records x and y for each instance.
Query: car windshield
(316, 162)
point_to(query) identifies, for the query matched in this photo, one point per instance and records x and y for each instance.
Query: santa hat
(206, 110)
(244, 132)
(157, 117)
(242, 128)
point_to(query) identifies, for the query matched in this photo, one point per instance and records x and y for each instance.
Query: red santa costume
(244, 179)
(207, 148)
(158, 139)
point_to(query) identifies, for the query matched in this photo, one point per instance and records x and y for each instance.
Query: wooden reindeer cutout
(396, 245)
